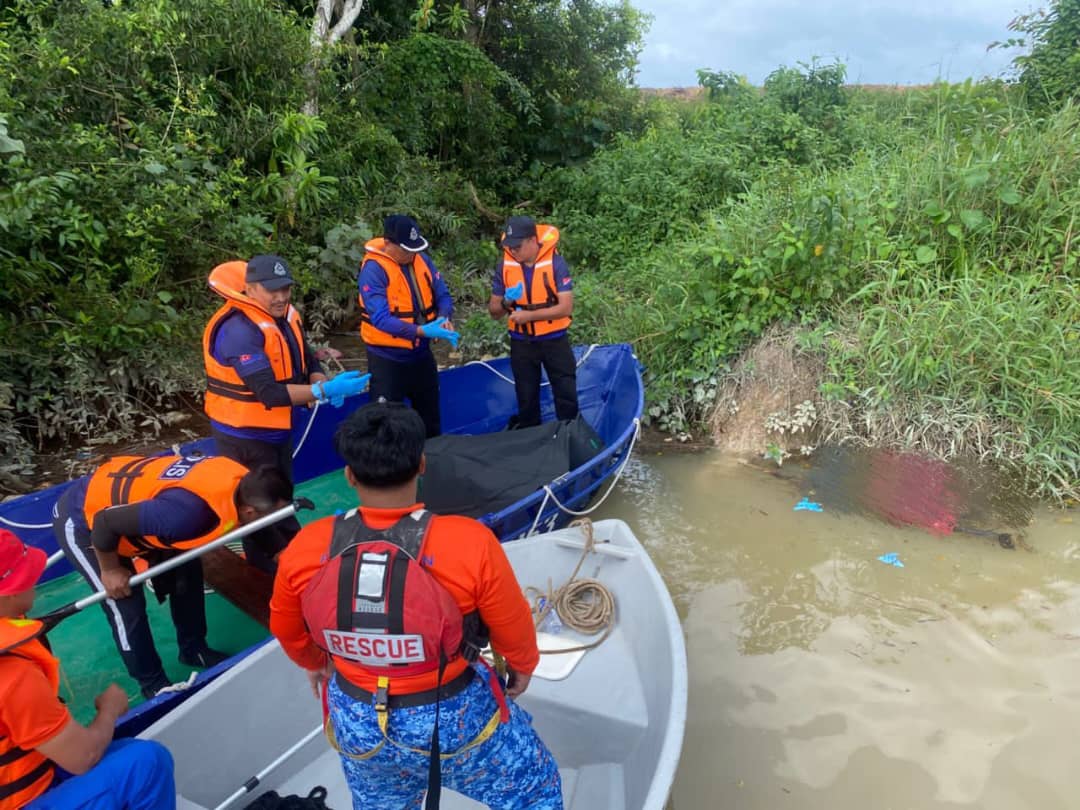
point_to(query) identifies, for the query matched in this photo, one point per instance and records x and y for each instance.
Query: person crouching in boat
(135, 506)
(258, 365)
(392, 605)
(38, 733)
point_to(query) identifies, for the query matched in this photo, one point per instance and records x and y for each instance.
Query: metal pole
(253, 782)
(180, 559)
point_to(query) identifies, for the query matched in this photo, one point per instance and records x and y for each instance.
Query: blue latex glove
(436, 331)
(515, 292)
(346, 384)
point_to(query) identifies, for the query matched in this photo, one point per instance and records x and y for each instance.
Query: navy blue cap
(270, 271)
(518, 229)
(403, 231)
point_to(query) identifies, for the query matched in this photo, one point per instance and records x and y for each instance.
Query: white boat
(614, 722)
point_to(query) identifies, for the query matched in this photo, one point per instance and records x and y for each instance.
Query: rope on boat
(584, 605)
(17, 525)
(549, 494)
(510, 380)
(307, 430)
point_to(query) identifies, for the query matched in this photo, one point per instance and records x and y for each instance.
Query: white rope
(550, 495)
(16, 525)
(307, 430)
(501, 376)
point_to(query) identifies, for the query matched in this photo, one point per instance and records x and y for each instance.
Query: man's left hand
(317, 677)
(520, 317)
(517, 683)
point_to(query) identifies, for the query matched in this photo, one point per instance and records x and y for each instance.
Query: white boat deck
(614, 724)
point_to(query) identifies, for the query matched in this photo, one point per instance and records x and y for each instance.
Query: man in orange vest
(404, 305)
(258, 366)
(38, 733)
(532, 285)
(152, 507)
(397, 627)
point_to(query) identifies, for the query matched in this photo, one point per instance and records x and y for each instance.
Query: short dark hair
(264, 487)
(382, 443)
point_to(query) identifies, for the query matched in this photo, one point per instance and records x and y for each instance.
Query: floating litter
(806, 505)
(892, 558)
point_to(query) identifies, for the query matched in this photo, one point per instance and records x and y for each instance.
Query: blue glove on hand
(515, 292)
(436, 330)
(346, 384)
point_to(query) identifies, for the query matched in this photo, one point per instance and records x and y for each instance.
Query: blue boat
(476, 398)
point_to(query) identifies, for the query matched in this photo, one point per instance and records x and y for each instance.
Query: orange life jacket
(542, 293)
(25, 775)
(129, 479)
(399, 296)
(228, 399)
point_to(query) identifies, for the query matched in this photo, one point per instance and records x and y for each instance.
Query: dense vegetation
(920, 242)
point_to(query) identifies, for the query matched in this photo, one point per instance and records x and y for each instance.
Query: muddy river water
(821, 677)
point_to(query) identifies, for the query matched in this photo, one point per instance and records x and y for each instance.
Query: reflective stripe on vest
(228, 399)
(129, 479)
(541, 294)
(25, 775)
(400, 288)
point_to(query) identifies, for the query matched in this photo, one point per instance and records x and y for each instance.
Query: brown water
(821, 677)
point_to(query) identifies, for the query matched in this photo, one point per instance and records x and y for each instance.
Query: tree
(333, 19)
(1050, 72)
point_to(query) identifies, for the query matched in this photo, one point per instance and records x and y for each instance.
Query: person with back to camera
(387, 607)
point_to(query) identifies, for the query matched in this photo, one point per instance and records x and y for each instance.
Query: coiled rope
(584, 605)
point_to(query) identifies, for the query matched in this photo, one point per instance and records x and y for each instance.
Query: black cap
(270, 271)
(403, 231)
(518, 229)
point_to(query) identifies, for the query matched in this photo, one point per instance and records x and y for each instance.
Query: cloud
(880, 41)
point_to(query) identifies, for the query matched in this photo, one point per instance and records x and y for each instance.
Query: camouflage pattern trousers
(510, 770)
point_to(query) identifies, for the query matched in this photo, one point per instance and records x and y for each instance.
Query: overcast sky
(880, 41)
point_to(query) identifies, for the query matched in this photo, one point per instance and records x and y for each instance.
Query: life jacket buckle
(382, 696)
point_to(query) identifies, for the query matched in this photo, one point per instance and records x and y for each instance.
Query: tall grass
(940, 253)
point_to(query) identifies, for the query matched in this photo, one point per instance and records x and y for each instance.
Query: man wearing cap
(404, 304)
(532, 286)
(258, 366)
(38, 733)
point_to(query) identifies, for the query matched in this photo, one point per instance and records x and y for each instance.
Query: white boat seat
(598, 713)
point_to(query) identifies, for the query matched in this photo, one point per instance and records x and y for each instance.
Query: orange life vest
(399, 296)
(25, 775)
(228, 399)
(542, 293)
(129, 479)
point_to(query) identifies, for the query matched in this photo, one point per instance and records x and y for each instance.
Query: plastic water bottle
(551, 623)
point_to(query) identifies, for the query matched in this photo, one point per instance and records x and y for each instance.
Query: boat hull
(615, 724)
(476, 398)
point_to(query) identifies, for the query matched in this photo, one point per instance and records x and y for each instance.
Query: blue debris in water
(806, 505)
(892, 558)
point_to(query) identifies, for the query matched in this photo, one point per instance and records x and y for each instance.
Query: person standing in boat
(404, 305)
(38, 733)
(533, 290)
(382, 605)
(149, 507)
(258, 366)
